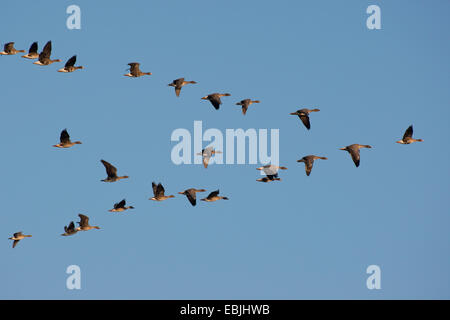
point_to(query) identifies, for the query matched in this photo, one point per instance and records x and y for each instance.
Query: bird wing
(120, 204)
(64, 138)
(71, 227)
(191, 195)
(177, 90)
(213, 194)
(71, 62)
(355, 156)
(8, 47)
(408, 133)
(33, 48)
(111, 171)
(134, 68)
(305, 119)
(308, 165)
(46, 52)
(84, 220)
(15, 243)
(215, 101)
(17, 234)
(159, 190)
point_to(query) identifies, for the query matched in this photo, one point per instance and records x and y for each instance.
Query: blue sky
(301, 238)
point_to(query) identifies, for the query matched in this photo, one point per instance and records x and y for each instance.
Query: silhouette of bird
(407, 137)
(44, 56)
(158, 193)
(69, 230)
(214, 196)
(135, 71)
(120, 206)
(245, 104)
(65, 140)
(111, 171)
(84, 223)
(17, 237)
(8, 49)
(70, 65)
(309, 161)
(191, 195)
(354, 151)
(214, 98)
(178, 84)
(32, 52)
(206, 154)
(303, 114)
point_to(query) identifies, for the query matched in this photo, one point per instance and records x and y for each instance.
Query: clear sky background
(301, 238)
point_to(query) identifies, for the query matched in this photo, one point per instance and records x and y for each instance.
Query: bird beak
(293, 113)
(204, 98)
(342, 149)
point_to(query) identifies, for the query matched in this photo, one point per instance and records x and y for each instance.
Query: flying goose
(69, 230)
(44, 56)
(70, 65)
(245, 104)
(309, 161)
(303, 114)
(213, 196)
(32, 52)
(214, 98)
(207, 154)
(271, 172)
(17, 237)
(354, 151)
(178, 84)
(407, 137)
(120, 206)
(9, 49)
(135, 71)
(84, 223)
(191, 195)
(158, 193)
(65, 140)
(111, 171)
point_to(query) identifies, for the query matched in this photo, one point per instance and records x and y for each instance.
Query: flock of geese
(270, 170)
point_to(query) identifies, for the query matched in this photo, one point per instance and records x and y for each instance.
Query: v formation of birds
(270, 170)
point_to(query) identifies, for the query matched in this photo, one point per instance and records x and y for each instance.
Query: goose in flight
(245, 104)
(44, 56)
(65, 140)
(271, 172)
(111, 171)
(17, 237)
(8, 49)
(69, 230)
(70, 65)
(191, 194)
(84, 224)
(214, 196)
(407, 137)
(214, 98)
(135, 71)
(120, 206)
(178, 84)
(32, 52)
(354, 151)
(206, 154)
(158, 193)
(303, 114)
(309, 161)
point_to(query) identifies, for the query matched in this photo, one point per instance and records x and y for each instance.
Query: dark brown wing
(408, 133)
(354, 152)
(111, 171)
(71, 62)
(120, 204)
(177, 90)
(84, 220)
(64, 138)
(8, 47)
(33, 48)
(134, 68)
(17, 234)
(215, 101)
(159, 191)
(213, 194)
(308, 165)
(46, 52)
(305, 119)
(192, 197)
(15, 242)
